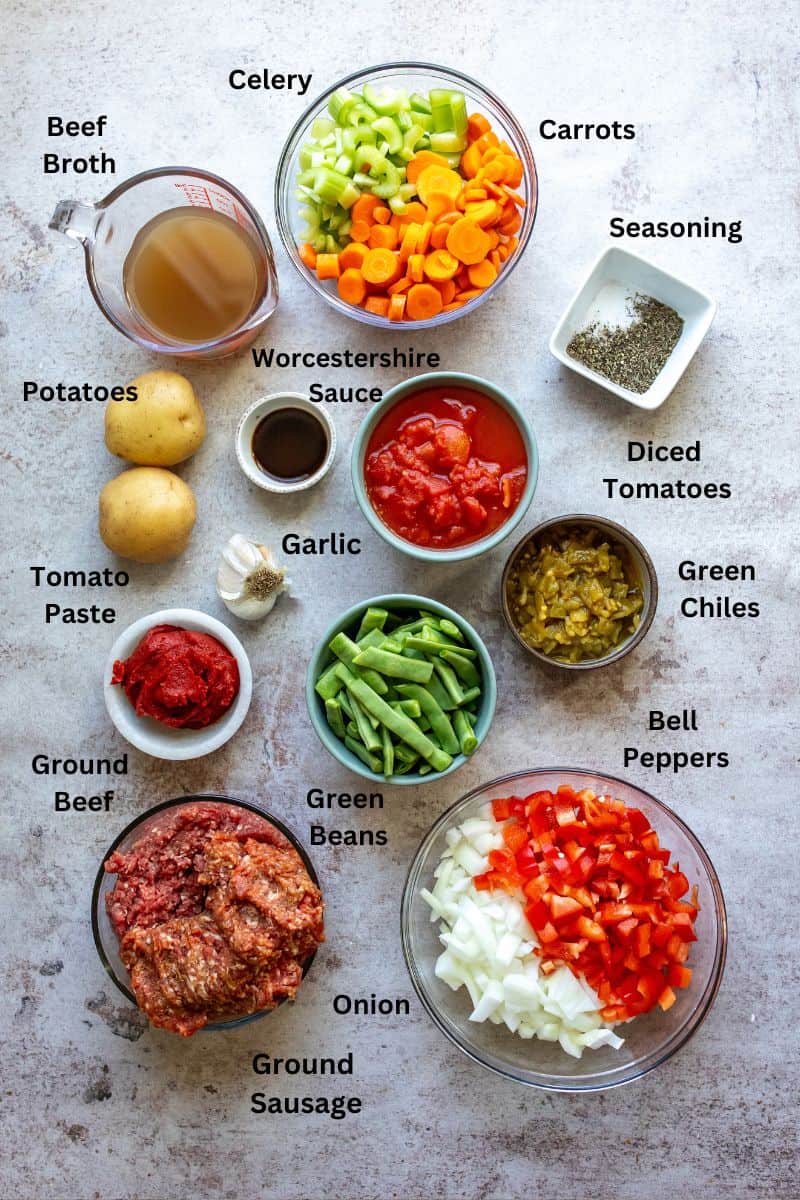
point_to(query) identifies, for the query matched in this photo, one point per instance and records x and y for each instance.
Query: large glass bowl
(105, 939)
(650, 1039)
(414, 77)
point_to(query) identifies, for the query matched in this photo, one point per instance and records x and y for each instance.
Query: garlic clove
(249, 580)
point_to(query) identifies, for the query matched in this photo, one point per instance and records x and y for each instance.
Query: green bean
(440, 722)
(468, 697)
(344, 700)
(375, 637)
(388, 751)
(432, 646)
(451, 629)
(450, 681)
(399, 724)
(466, 737)
(347, 651)
(333, 713)
(411, 708)
(329, 684)
(356, 748)
(405, 754)
(395, 665)
(466, 671)
(368, 735)
(351, 729)
(373, 618)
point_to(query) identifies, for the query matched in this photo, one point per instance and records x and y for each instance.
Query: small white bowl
(247, 427)
(619, 273)
(162, 741)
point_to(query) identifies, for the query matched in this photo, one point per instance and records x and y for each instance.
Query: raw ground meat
(216, 914)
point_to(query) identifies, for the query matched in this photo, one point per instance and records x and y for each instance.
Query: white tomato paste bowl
(378, 411)
(153, 737)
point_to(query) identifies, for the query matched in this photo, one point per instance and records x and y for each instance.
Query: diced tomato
(474, 513)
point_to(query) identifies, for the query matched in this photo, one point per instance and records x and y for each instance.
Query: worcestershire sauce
(290, 444)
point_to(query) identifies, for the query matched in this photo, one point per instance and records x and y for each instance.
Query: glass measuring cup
(107, 231)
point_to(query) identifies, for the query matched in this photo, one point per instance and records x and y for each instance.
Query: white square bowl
(615, 275)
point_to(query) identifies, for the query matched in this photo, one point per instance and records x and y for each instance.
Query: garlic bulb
(249, 580)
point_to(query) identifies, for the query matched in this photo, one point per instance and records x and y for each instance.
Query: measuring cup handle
(75, 219)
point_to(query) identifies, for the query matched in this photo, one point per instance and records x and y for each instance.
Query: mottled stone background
(96, 1106)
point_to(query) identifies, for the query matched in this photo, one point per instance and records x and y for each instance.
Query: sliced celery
(458, 111)
(448, 143)
(419, 103)
(333, 187)
(389, 129)
(340, 104)
(387, 102)
(321, 127)
(441, 110)
(410, 139)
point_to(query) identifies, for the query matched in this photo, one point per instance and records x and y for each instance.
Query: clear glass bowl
(650, 1039)
(414, 77)
(105, 939)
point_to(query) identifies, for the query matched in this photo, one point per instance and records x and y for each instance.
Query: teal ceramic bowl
(322, 658)
(379, 410)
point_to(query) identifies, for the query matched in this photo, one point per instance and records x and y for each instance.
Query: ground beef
(216, 914)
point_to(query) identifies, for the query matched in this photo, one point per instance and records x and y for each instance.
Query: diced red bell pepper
(678, 976)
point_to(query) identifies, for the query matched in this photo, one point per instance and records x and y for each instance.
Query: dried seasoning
(630, 355)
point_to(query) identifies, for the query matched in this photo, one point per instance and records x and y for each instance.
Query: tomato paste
(445, 467)
(216, 915)
(179, 677)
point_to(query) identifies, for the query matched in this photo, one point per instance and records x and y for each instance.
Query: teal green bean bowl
(348, 622)
(378, 410)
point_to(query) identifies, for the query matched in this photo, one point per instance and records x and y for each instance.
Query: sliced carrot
(378, 305)
(415, 212)
(477, 125)
(474, 193)
(515, 173)
(397, 308)
(470, 162)
(453, 305)
(494, 171)
(364, 208)
(438, 206)
(438, 181)
(439, 236)
(421, 160)
(327, 266)
(449, 218)
(308, 255)
(468, 295)
(482, 274)
(484, 213)
(511, 224)
(359, 230)
(383, 235)
(381, 214)
(352, 286)
(381, 266)
(502, 252)
(424, 302)
(402, 285)
(495, 260)
(397, 220)
(447, 289)
(408, 246)
(467, 241)
(424, 239)
(440, 265)
(352, 255)
(515, 196)
(416, 267)
(487, 141)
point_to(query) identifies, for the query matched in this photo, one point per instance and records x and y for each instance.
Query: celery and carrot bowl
(406, 194)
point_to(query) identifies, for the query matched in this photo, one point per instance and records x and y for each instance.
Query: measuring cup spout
(75, 220)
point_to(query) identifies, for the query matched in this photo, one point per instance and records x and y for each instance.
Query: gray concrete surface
(94, 1105)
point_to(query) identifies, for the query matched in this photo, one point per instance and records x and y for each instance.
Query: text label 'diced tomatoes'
(445, 467)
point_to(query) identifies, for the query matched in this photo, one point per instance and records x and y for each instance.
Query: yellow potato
(147, 514)
(163, 426)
